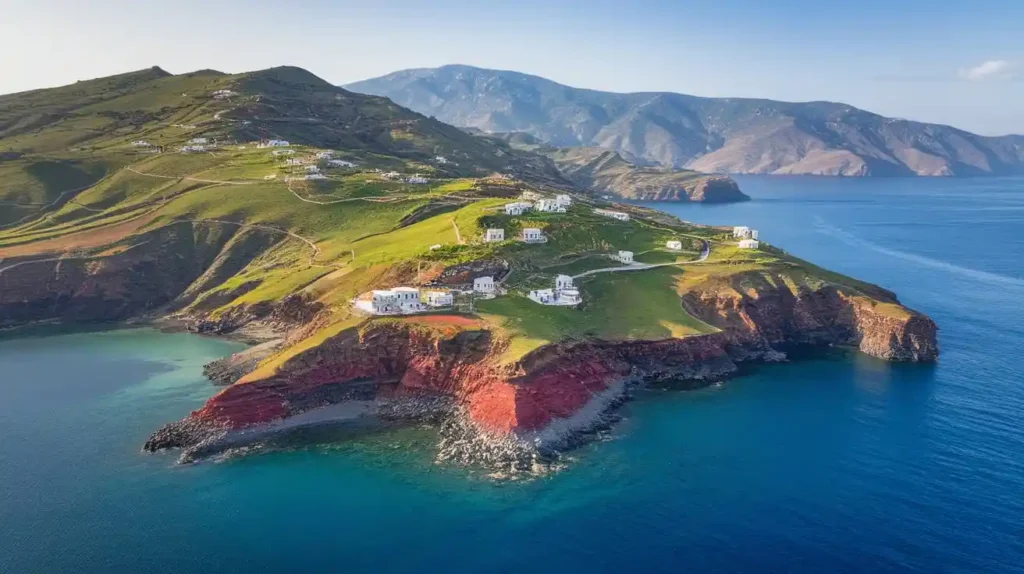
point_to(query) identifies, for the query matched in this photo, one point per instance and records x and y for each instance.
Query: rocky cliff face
(560, 389)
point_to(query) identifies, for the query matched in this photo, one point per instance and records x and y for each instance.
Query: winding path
(705, 252)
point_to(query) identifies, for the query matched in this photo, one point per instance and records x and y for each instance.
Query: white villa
(563, 200)
(141, 143)
(198, 141)
(749, 244)
(564, 293)
(418, 179)
(220, 94)
(517, 208)
(484, 285)
(613, 214)
(193, 148)
(273, 143)
(438, 299)
(408, 298)
(744, 232)
(549, 206)
(494, 235)
(441, 159)
(674, 245)
(381, 301)
(533, 235)
(340, 163)
(625, 257)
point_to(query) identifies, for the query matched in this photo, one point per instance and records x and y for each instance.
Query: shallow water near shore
(838, 463)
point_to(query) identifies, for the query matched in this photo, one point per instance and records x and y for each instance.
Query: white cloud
(989, 70)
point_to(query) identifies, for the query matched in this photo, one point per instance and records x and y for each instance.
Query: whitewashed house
(517, 208)
(141, 143)
(221, 94)
(533, 235)
(408, 299)
(741, 231)
(484, 285)
(417, 179)
(674, 245)
(563, 200)
(441, 159)
(198, 141)
(438, 299)
(753, 234)
(564, 293)
(625, 257)
(340, 163)
(383, 301)
(749, 244)
(193, 149)
(613, 214)
(548, 205)
(273, 143)
(494, 235)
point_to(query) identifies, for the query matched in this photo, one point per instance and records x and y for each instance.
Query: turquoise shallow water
(833, 464)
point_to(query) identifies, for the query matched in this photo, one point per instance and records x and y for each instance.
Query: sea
(828, 464)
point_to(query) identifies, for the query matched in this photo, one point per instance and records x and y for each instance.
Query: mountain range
(718, 135)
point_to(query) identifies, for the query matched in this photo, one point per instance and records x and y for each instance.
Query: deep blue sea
(826, 465)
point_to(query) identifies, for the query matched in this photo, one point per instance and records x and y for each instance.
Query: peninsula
(390, 266)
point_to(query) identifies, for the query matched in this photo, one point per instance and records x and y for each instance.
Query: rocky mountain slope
(277, 243)
(721, 135)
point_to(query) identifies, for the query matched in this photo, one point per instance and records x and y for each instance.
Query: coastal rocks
(228, 370)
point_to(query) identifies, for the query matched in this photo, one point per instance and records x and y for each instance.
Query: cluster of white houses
(273, 143)
(563, 294)
(410, 300)
(196, 145)
(747, 236)
(612, 214)
(558, 204)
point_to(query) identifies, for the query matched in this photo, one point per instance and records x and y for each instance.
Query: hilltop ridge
(717, 135)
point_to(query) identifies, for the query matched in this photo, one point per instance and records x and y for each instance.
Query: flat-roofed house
(494, 235)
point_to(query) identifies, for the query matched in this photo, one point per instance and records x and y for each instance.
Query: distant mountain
(722, 135)
(604, 172)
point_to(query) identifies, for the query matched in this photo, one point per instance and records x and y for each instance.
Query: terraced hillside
(275, 243)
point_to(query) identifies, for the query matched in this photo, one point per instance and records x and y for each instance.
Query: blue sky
(960, 63)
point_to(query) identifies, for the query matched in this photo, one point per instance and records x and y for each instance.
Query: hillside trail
(705, 253)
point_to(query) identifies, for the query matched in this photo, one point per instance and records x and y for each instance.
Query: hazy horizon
(958, 65)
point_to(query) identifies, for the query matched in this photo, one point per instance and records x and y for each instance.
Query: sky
(952, 62)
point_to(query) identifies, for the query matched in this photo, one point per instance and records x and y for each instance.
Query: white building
(564, 293)
(221, 94)
(438, 299)
(273, 143)
(613, 214)
(340, 163)
(328, 154)
(753, 234)
(484, 285)
(749, 244)
(441, 159)
(383, 301)
(741, 231)
(533, 235)
(517, 208)
(563, 200)
(193, 149)
(408, 299)
(494, 235)
(674, 245)
(417, 179)
(548, 206)
(141, 143)
(198, 141)
(625, 257)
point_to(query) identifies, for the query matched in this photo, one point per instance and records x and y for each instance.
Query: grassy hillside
(86, 197)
